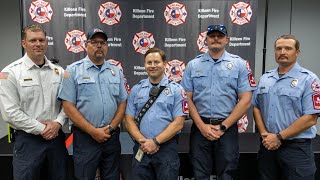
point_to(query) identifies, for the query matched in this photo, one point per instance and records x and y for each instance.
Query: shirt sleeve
(180, 103)
(245, 81)
(311, 97)
(186, 81)
(67, 89)
(131, 109)
(123, 95)
(11, 110)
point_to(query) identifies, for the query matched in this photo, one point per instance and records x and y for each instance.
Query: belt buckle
(214, 121)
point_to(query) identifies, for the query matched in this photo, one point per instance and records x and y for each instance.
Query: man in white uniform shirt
(28, 102)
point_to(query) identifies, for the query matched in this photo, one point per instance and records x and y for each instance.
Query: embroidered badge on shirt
(4, 75)
(315, 86)
(251, 80)
(229, 65)
(294, 83)
(56, 71)
(316, 101)
(185, 107)
(183, 93)
(66, 75)
(248, 66)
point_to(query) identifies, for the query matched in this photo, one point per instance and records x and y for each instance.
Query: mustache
(282, 56)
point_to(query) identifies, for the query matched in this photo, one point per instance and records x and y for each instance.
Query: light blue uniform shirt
(168, 106)
(96, 93)
(283, 100)
(216, 85)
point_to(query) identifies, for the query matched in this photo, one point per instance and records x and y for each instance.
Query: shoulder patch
(316, 101)
(4, 75)
(315, 86)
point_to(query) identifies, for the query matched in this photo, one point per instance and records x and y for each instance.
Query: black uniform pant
(223, 153)
(163, 165)
(292, 161)
(31, 152)
(88, 155)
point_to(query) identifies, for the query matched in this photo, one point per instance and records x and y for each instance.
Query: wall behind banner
(296, 16)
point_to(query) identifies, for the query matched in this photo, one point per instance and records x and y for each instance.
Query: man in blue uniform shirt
(286, 108)
(219, 86)
(155, 153)
(94, 98)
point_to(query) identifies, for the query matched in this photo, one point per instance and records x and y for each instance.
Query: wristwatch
(111, 130)
(223, 127)
(279, 136)
(156, 141)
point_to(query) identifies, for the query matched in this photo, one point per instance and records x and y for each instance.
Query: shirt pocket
(290, 98)
(262, 94)
(114, 86)
(200, 80)
(165, 105)
(86, 87)
(229, 78)
(55, 83)
(29, 89)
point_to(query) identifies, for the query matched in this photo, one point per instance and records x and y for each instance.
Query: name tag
(27, 79)
(86, 78)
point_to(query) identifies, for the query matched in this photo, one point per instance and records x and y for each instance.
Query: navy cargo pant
(88, 155)
(31, 152)
(223, 153)
(292, 161)
(163, 165)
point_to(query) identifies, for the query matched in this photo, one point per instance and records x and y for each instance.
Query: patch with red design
(316, 101)
(185, 107)
(184, 94)
(315, 86)
(251, 80)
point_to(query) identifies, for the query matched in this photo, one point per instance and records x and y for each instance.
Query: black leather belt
(300, 140)
(213, 121)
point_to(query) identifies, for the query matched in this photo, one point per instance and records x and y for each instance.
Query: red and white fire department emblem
(243, 124)
(40, 11)
(175, 14)
(241, 13)
(143, 41)
(75, 41)
(202, 43)
(119, 65)
(174, 70)
(316, 101)
(248, 66)
(251, 80)
(109, 13)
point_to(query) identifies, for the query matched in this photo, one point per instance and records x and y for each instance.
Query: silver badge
(166, 91)
(112, 72)
(229, 65)
(294, 83)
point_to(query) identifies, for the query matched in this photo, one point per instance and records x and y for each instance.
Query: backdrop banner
(177, 27)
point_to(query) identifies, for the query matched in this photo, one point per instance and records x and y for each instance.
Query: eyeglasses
(95, 43)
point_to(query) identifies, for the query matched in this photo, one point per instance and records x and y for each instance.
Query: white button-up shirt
(28, 95)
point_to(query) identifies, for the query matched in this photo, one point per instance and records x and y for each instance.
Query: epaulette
(76, 63)
(15, 63)
(199, 56)
(270, 71)
(142, 81)
(234, 56)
